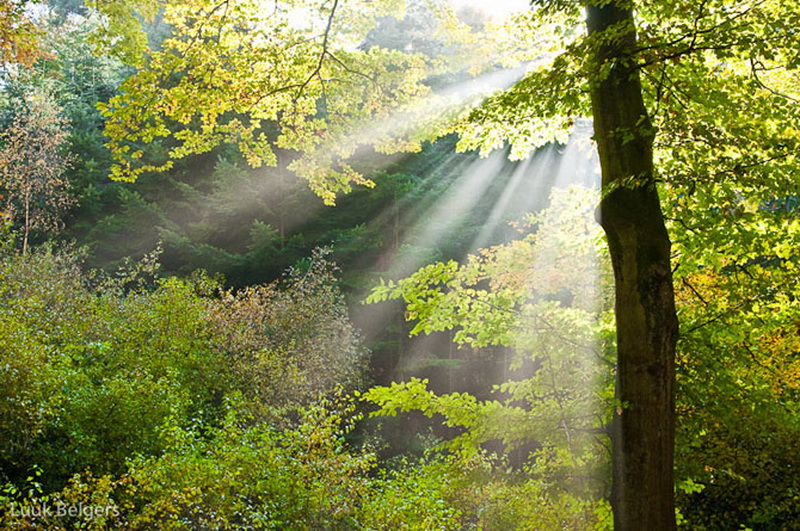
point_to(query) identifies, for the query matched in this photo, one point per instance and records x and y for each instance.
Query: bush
(92, 374)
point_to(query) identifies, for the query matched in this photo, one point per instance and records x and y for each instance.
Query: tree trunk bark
(647, 328)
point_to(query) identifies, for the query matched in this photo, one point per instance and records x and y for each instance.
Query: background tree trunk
(27, 230)
(630, 213)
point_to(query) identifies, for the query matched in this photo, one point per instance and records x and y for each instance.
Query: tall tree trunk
(643, 429)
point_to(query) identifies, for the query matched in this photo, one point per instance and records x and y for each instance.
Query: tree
(643, 429)
(695, 59)
(304, 72)
(634, 75)
(18, 35)
(32, 166)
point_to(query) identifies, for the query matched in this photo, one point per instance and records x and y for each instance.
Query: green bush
(92, 372)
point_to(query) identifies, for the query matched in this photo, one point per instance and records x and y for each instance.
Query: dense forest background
(212, 346)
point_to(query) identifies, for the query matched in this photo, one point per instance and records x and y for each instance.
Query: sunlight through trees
(507, 321)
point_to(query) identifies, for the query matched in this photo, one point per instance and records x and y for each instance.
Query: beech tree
(691, 100)
(685, 68)
(233, 68)
(630, 213)
(647, 326)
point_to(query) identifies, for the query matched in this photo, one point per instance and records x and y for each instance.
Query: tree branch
(323, 52)
(754, 69)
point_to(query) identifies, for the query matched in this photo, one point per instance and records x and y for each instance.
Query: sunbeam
(491, 193)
